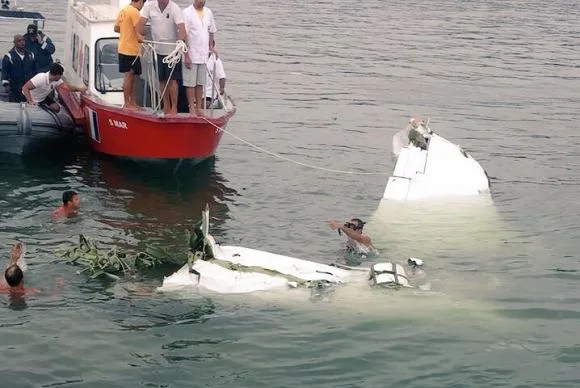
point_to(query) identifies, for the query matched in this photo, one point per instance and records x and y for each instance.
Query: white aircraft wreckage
(235, 270)
(430, 166)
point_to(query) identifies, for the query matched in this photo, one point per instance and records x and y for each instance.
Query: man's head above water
(355, 224)
(14, 276)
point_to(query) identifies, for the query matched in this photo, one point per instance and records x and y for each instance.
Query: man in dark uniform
(18, 66)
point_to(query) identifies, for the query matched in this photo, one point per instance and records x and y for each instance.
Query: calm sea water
(328, 83)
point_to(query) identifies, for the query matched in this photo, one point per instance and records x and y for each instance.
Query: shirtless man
(70, 204)
(13, 281)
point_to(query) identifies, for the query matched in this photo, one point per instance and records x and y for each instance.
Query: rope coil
(171, 60)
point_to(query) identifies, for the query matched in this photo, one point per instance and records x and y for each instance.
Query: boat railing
(150, 72)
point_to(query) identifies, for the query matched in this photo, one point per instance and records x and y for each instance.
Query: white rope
(174, 57)
(171, 59)
(149, 49)
(292, 160)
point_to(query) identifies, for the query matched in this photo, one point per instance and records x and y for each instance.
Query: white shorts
(194, 76)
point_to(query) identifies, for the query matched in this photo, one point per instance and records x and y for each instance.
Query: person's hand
(222, 91)
(334, 224)
(188, 62)
(16, 252)
(32, 103)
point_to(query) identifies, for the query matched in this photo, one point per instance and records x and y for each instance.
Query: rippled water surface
(328, 83)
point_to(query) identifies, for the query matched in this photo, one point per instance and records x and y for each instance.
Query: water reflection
(39, 169)
(153, 203)
(17, 302)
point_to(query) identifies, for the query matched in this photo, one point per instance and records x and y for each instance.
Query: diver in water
(357, 242)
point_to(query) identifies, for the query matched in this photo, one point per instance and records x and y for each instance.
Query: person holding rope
(200, 28)
(128, 50)
(167, 28)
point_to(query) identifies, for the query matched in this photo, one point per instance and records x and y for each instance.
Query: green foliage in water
(113, 262)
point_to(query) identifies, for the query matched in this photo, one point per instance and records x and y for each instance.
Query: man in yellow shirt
(129, 41)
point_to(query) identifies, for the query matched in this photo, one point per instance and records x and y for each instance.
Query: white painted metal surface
(443, 169)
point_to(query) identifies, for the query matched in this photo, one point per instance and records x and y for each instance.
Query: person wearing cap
(353, 229)
(18, 66)
(41, 46)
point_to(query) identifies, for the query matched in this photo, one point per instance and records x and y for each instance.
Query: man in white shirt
(200, 29)
(216, 79)
(39, 90)
(167, 27)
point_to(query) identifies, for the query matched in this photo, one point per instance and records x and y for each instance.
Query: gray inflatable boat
(25, 128)
(31, 129)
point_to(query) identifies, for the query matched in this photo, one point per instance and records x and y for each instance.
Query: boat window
(107, 76)
(75, 52)
(86, 66)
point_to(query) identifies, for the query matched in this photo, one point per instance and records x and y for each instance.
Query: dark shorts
(48, 101)
(128, 63)
(164, 71)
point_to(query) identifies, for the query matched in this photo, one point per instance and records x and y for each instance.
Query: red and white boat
(91, 59)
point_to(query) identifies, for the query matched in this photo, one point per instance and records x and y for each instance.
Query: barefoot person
(70, 205)
(166, 27)
(128, 50)
(200, 29)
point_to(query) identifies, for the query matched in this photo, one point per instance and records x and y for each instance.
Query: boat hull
(32, 130)
(143, 135)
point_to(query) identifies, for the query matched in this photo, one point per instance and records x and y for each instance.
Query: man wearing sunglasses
(353, 229)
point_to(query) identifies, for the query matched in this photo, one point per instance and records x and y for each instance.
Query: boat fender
(388, 275)
(24, 126)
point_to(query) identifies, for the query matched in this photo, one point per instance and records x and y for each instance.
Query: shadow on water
(148, 205)
(42, 167)
(154, 193)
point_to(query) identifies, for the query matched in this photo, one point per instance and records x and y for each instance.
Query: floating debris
(113, 262)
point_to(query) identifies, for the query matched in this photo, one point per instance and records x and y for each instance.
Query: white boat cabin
(91, 56)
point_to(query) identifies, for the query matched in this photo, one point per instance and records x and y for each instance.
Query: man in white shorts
(200, 29)
(40, 89)
(166, 27)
